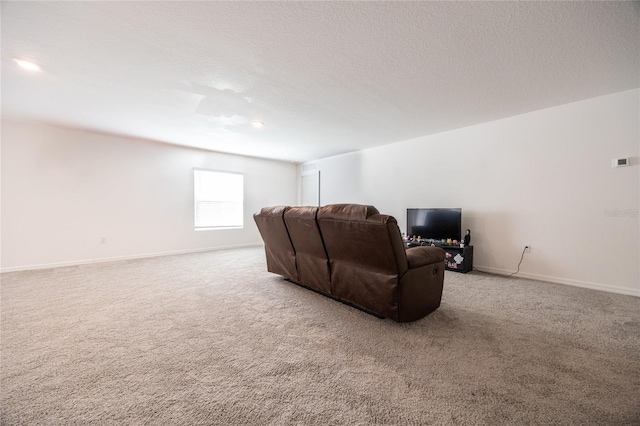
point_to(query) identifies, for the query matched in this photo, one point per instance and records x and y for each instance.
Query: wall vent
(309, 167)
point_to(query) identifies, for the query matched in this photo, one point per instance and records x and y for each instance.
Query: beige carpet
(212, 338)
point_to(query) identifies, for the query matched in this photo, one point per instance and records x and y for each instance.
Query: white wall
(542, 179)
(64, 190)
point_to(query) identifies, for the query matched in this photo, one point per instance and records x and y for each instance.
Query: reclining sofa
(354, 254)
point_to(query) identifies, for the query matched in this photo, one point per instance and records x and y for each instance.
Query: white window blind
(218, 199)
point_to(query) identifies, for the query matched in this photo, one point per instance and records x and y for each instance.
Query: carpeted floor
(212, 338)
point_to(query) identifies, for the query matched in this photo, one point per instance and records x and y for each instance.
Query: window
(218, 199)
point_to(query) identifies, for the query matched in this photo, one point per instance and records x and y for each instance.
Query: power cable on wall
(511, 275)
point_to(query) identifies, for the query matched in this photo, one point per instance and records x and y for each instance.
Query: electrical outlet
(527, 249)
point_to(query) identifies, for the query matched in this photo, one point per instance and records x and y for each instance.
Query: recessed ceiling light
(257, 124)
(27, 65)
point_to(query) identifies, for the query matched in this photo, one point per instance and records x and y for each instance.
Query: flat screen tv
(435, 224)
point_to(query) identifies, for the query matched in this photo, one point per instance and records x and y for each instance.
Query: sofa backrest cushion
(348, 212)
(366, 255)
(280, 254)
(311, 258)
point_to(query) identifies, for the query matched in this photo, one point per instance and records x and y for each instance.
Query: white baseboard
(546, 278)
(566, 281)
(119, 258)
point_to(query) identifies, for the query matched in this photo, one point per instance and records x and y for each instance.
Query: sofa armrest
(424, 255)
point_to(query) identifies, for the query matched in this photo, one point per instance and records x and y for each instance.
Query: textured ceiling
(325, 77)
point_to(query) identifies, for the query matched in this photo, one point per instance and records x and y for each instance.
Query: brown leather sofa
(354, 254)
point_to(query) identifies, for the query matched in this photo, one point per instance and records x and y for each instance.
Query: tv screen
(435, 224)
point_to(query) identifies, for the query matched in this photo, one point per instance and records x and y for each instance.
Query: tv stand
(458, 259)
